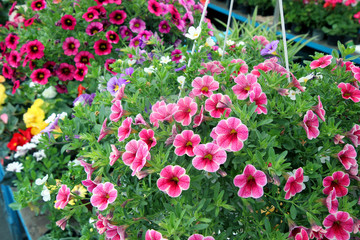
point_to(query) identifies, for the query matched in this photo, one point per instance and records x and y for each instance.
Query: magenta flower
(114, 155)
(103, 194)
(153, 235)
(204, 86)
(102, 47)
(80, 72)
(68, 22)
(116, 111)
(176, 55)
(35, 49)
(93, 28)
(185, 142)
(311, 125)
(14, 59)
(147, 135)
(162, 112)
(71, 46)
(125, 33)
(11, 41)
(139, 120)
(200, 237)
(347, 156)
(136, 154)
(321, 62)
(186, 109)
(354, 135)
(338, 226)
(349, 91)
(260, 99)
(251, 182)
(212, 67)
(208, 157)
(137, 25)
(243, 69)
(104, 131)
(89, 184)
(38, 5)
(319, 110)
(217, 105)
(317, 232)
(83, 57)
(63, 197)
(102, 223)
(295, 183)
(173, 180)
(90, 15)
(125, 129)
(40, 76)
(112, 37)
(230, 134)
(115, 232)
(155, 7)
(296, 83)
(302, 235)
(337, 182)
(117, 17)
(65, 72)
(245, 84)
(164, 27)
(331, 202)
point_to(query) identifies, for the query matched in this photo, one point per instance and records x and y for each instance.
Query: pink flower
(176, 55)
(296, 83)
(295, 183)
(245, 84)
(125, 33)
(347, 156)
(186, 109)
(332, 203)
(164, 27)
(185, 143)
(137, 152)
(102, 47)
(114, 155)
(103, 194)
(171, 139)
(65, 72)
(208, 157)
(90, 15)
(337, 182)
(137, 25)
(262, 67)
(71, 46)
(139, 120)
(354, 135)
(162, 112)
(115, 232)
(302, 235)
(204, 86)
(260, 99)
(200, 237)
(230, 134)
(153, 235)
(89, 184)
(83, 57)
(63, 197)
(261, 39)
(11, 41)
(243, 69)
(311, 125)
(251, 182)
(173, 180)
(147, 135)
(319, 110)
(80, 72)
(155, 7)
(40, 76)
(62, 223)
(68, 22)
(317, 232)
(198, 119)
(125, 129)
(14, 59)
(349, 91)
(355, 71)
(102, 223)
(321, 62)
(87, 168)
(112, 37)
(116, 111)
(35, 49)
(212, 67)
(117, 17)
(338, 139)
(338, 226)
(104, 131)
(217, 105)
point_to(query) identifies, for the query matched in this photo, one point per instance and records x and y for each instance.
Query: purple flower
(180, 68)
(51, 126)
(129, 71)
(115, 83)
(269, 48)
(84, 99)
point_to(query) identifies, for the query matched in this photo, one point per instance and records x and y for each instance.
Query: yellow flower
(2, 79)
(36, 128)
(38, 103)
(34, 115)
(3, 95)
(78, 190)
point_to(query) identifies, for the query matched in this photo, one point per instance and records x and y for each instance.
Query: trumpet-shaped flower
(116, 111)
(136, 154)
(319, 110)
(331, 202)
(173, 180)
(295, 183)
(260, 99)
(125, 129)
(200, 237)
(337, 182)
(103, 194)
(217, 105)
(251, 182)
(114, 155)
(153, 235)
(162, 112)
(185, 142)
(311, 125)
(147, 135)
(347, 156)
(204, 86)
(63, 197)
(354, 135)
(349, 91)
(193, 33)
(208, 157)
(187, 108)
(321, 62)
(338, 225)
(245, 84)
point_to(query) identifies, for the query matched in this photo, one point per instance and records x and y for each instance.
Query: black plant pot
(333, 39)
(348, 39)
(266, 11)
(244, 9)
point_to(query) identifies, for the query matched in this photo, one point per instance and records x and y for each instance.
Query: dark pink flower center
(71, 46)
(347, 94)
(38, 5)
(90, 15)
(118, 16)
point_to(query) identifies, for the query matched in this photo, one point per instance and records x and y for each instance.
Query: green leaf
(15, 206)
(267, 225)
(200, 226)
(293, 212)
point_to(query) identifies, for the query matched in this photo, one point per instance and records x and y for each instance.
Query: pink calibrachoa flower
(87, 168)
(83, 57)
(176, 55)
(245, 84)
(139, 120)
(260, 99)
(338, 139)
(103, 194)
(38, 5)
(137, 25)
(321, 62)
(11, 41)
(302, 235)
(261, 67)
(349, 91)
(153, 235)
(68, 22)
(295, 183)
(171, 138)
(319, 110)
(230, 134)
(112, 37)
(102, 223)
(116, 111)
(102, 47)
(200, 237)
(155, 7)
(80, 72)
(204, 86)
(104, 130)
(117, 17)
(115, 232)
(173, 180)
(251, 182)
(261, 39)
(90, 15)
(187, 108)
(295, 230)
(208, 157)
(311, 125)
(137, 152)
(114, 155)
(125, 129)
(162, 112)
(40, 76)
(185, 142)
(125, 33)
(71, 46)
(198, 119)
(14, 59)
(63, 197)
(347, 156)
(242, 70)
(147, 135)
(338, 226)
(35, 49)
(337, 182)
(65, 72)
(355, 71)
(354, 135)
(212, 67)
(89, 184)
(217, 105)
(164, 27)
(331, 202)
(317, 232)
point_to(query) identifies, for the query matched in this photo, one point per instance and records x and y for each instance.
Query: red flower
(337, 182)
(11, 41)
(117, 17)
(65, 72)
(349, 91)
(19, 139)
(102, 47)
(40, 76)
(347, 156)
(35, 49)
(38, 5)
(81, 89)
(71, 46)
(112, 37)
(68, 22)
(83, 57)
(338, 226)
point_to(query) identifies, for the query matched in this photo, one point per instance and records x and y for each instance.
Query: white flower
(319, 76)
(49, 92)
(32, 84)
(193, 33)
(101, 88)
(45, 193)
(182, 59)
(230, 42)
(62, 115)
(51, 118)
(29, 146)
(149, 70)
(39, 155)
(181, 80)
(74, 163)
(241, 43)
(36, 139)
(41, 181)
(165, 59)
(324, 157)
(306, 78)
(14, 167)
(22, 150)
(221, 52)
(292, 94)
(131, 62)
(210, 42)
